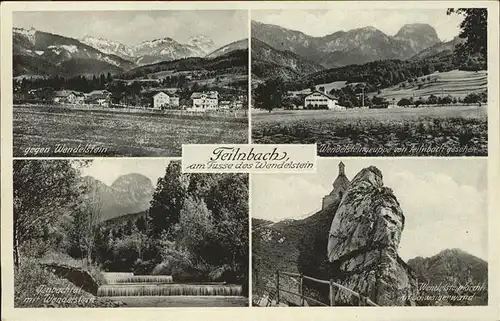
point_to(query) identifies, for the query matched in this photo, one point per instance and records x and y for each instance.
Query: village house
(321, 100)
(98, 97)
(205, 100)
(225, 104)
(68, 97)
(162, 100)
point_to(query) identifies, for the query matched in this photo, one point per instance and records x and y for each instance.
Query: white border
(342, 313)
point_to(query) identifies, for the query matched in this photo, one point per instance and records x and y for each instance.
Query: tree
(195, 224)
(268, 95)
(404, 102)
(472, 98)
(167, 201)
(432, 100)
(474, 29)
(44, 191)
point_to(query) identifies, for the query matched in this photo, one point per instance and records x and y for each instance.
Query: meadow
(457, 83)
(39, 131)
(445, 131)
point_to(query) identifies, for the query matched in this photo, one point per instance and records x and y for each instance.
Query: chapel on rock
(339, 187)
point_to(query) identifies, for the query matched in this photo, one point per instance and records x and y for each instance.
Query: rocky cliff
(355, 46)
(363, 242)
(128, 194)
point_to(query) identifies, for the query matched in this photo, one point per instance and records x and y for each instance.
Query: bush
(472, 98)
(145, 267)
(419, 102)
(432, 100)
(404, 102)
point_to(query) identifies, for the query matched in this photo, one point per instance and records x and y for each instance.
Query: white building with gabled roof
(321, 100)
(205, 100)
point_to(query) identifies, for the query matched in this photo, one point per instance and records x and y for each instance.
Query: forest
(196, 228)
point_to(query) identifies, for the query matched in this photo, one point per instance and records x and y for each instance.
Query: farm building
(68, 97)
(161, 101)
(225, 104)
(98, 97)
(321, 100)
(205, 100)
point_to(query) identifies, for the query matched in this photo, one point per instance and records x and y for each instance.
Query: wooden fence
(362, 300)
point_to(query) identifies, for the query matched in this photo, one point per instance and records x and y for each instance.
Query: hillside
(234, 62)
(236, 45)
(356, 46)
(377, 74)
(41, 53)
(455, 268)
(269, 62)
(439, 48)
(128, 194)
(288, 245)
(457, 83)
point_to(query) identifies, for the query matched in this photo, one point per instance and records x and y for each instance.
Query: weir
(121, 290)
(144, 279)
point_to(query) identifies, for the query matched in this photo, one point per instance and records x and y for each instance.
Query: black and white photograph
(128, 233)
(374, 82)
(372, 232)
(128, 83)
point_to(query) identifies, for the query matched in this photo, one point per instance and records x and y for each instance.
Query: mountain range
(38, 53)
(130, 193)
(356, 46)
(269, 62)
(153, 51)
(42, 53)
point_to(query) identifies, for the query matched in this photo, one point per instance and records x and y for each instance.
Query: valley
(371, 92)
(129, 100)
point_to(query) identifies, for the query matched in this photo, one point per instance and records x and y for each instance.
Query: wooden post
(277, 287)
(332, 293)
(301, 290)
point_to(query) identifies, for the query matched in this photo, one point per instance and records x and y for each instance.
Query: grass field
(37, 132)
(450, 131)
(457, 83)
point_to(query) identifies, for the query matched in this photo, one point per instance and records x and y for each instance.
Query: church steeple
(341, 168)
(339, 187)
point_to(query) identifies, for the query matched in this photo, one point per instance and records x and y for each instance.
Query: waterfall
(172, 289)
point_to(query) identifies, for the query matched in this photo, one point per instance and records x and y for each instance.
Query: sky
(443, 200)
(320, 23)
(133, 27)
(108, 170)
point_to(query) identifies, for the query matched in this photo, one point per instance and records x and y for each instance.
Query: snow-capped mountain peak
(108, 46)
(28, 33)
(203, 42)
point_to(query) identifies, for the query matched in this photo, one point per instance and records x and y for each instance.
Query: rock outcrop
(363, 242)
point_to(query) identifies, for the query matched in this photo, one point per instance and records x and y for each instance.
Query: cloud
(440, 214)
